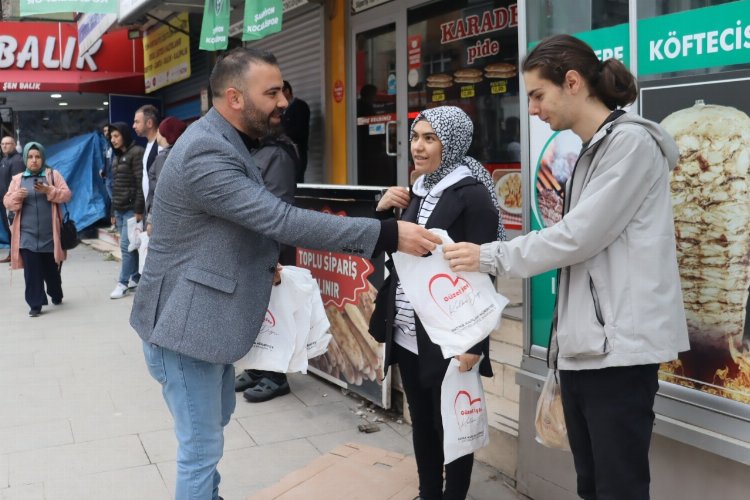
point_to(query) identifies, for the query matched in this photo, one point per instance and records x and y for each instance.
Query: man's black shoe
(34, 312)
(247, 379)
(265, 390)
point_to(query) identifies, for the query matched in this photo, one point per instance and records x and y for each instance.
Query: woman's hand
(41, 187)
(22, 193)
(467, 361)
(462, 256)
(394, 197)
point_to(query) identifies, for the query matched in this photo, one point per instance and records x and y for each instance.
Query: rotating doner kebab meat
(711, 201)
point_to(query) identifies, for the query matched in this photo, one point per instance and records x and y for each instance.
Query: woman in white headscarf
(453, 192)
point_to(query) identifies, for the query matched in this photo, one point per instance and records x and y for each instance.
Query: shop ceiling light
(106, 103)
(55, 96)
(62, 103)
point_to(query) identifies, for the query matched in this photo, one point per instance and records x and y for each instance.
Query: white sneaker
(119, 292)
(132, 285)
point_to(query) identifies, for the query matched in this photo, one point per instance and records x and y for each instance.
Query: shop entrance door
(377, 148)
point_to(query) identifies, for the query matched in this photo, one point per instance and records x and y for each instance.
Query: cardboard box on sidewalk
(349, 472)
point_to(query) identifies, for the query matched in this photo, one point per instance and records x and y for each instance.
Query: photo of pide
(440, 81)
(467, 75)
(500, 70)
(709, 120)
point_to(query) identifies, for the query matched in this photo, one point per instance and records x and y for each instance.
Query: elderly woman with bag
(453, 192)
(34, 195)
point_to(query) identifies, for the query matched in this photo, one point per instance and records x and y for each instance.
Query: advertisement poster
(348, 286)
(553, 156)
(709, 119)
(507, 181)
(166, 54)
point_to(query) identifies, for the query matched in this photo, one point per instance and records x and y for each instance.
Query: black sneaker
(265, 390)
(56, 302)
(34, 312)
(247, 379)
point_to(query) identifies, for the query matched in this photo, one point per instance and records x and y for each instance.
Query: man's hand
(467, 361)
(395, 197)
(138, 217)
(277, 274)
(462, 256)
(112, 220)
(149, 229)
(415, 240)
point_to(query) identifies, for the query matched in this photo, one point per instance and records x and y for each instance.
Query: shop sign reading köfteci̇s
(45, 56)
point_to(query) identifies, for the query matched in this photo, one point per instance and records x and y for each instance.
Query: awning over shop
(45, 57)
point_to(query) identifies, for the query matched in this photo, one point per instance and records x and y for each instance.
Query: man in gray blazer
(212, 257)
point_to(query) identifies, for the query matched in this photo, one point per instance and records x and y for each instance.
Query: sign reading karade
(166, 54)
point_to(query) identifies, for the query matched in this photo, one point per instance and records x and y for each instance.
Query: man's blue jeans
(129, 267)
(200, 396)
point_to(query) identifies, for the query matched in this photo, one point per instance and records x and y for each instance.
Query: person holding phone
(34, 195)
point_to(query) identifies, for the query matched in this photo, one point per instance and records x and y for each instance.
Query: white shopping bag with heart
(276, 340)
(464, 411)
(457, 310)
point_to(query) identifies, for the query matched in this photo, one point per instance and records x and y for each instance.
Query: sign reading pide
(166, 54)
(262, 18)
(701, 38)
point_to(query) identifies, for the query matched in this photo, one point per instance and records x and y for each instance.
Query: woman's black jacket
(465, 210)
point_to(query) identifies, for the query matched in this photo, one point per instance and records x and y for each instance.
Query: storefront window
(465, 54)
(603, 24)
(699, 94)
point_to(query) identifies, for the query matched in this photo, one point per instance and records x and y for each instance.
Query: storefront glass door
(377, 125)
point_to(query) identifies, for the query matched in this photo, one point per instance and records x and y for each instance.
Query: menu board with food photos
(710, 121)
(466, 54)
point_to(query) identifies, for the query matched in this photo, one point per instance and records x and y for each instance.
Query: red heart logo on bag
(268, 322)
(467, 410)
(449, 293)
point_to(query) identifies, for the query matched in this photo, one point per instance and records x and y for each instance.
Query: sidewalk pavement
(81, 418)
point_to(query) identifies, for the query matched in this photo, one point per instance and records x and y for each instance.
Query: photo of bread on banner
(440, 81)
(711, 202)
(500, 70)
(467, 75)
(353, 355)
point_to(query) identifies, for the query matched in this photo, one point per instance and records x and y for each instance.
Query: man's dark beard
(258, 125)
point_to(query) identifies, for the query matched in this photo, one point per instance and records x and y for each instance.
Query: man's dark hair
(288, 87)
(150, 112)
(609, 81)
(230, 69)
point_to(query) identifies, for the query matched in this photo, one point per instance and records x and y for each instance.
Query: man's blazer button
(272, 269)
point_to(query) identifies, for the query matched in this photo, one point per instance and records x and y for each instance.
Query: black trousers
(609, 415)
(427, 434)
(38, 269)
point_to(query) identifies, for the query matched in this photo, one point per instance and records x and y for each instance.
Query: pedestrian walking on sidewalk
(34, 195)
(619, 311)
(213, 255)
(11, 164)
(453, 192)
(170, 129)
(127, 201)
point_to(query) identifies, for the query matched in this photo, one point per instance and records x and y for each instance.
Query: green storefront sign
(215, 26)
(262, 18)
(702, 38)
(32, 7)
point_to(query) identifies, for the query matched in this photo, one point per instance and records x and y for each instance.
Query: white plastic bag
(457, 310)
(142, 251)
(464, 411)
(550, 420)
(275, 343)
(134, 234)
(295, 326)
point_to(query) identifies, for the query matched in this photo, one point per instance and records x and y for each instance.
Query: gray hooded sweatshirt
(619, 297)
